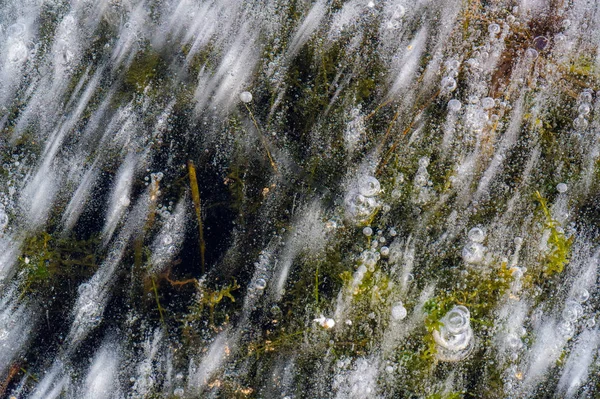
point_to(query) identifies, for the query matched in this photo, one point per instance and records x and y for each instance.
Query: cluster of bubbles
(354, 380)
(454, 339)
(398, 183)
(514, 344)
(325, 322)
(89, 311)
(3, 219)
(448, 82)
(422, 184)
(572, 312)
(538, 44)
(355, 130)
(164, 210)
(179, 391)
(395, 15)
(361, 202)
(477, 115)
(153, 178)
(474, 251)
(368, 258)
(17, 50)
(259, 282)
(584, 109)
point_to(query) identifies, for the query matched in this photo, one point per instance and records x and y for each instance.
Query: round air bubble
(245, 97)
(473, 253)
(494, 29)
(448, 84)
(454, 105)
(572, 311)
(16, 30)
(585, 97)
(476, 234)
(584, 109)
(580, 123)
(488, 103)
(369, 186)
(399, 311)
(384, 251)
(531, 53)
(540, 43)
(561, 188)
(566, 329)
(260, 284)
(581, 295)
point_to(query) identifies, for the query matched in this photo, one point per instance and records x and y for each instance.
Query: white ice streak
(16, 324)
(168, 241)
(148, 369)
(406, 63)
(200, 373)
(220, 89)
(308, 27)
(78, 200)
(577, 366)
(306, 236)
(101, 381)
(120, 196)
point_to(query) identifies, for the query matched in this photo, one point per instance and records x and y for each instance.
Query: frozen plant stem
(262, 138)
(197, 207)
(160, 309)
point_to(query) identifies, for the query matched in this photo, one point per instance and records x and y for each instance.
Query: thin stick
(197, 207)
(385, 159)
(262, 138)
(160, 308)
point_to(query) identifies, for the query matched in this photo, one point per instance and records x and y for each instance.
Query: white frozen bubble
(245, 97)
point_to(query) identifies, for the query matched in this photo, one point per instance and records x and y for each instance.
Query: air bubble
(384, 251)
(399, 311)
(581, 295)
(531, 53)
(476, 234)
(494, 29)
(473, 253)
(488, 103)
(260, 284)
(245, 97)
(540, 43)
(572, 311)
(561, 188)
(369, 186)
(17, 52)
(584, 109)
(585, 97)
(580, 123)
(454, 105)
(448, 84)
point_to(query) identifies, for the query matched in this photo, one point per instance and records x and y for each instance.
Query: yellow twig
(197, 207)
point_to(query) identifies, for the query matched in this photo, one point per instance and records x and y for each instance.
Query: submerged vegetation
(289, 199)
